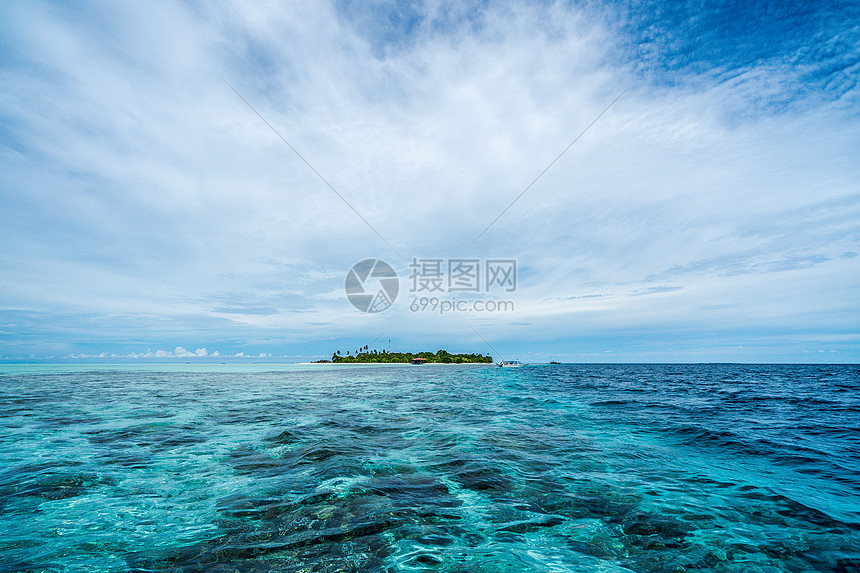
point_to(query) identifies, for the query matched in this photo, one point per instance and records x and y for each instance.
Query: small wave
(612, 402)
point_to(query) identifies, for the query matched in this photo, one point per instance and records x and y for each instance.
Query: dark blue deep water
(580, 468)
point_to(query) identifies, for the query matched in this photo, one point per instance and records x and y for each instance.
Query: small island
(366, 355)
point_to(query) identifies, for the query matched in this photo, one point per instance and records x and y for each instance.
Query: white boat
(510, 364)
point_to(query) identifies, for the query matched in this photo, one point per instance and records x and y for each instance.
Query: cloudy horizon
(712, 213)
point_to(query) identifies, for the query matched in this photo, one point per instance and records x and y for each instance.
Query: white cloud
(178, 352)
(140, 190)
(183, 353)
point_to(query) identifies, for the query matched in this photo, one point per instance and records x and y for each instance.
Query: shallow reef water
(579, 468)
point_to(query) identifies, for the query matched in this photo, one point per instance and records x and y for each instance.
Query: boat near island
(510, 364)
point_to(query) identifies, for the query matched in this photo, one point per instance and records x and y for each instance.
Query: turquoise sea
(563, 468)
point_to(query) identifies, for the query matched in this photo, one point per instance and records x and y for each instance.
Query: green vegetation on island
(442, 356)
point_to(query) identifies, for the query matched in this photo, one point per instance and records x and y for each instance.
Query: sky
(677, 182)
